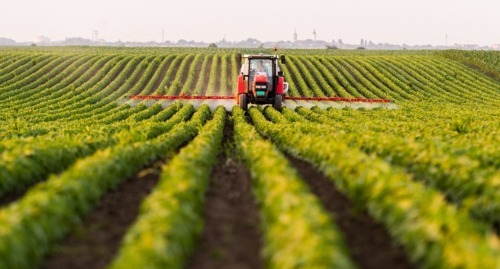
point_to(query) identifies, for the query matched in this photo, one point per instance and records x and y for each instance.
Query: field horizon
(90, 178)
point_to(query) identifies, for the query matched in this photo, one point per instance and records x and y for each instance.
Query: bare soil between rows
(231, 236)
(230, 239)
(368, 242)
(11, 197)
(95, 242)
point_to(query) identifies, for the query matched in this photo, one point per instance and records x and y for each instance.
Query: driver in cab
(261, 68)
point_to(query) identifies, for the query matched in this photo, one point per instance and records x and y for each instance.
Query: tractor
(261, 81)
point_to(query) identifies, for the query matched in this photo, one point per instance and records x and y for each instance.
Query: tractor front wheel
(242, 101)
(278, 101)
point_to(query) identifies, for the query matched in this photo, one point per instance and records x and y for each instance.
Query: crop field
(92, 179)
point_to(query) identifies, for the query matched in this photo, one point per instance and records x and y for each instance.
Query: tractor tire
(278, 102)
(243, 101)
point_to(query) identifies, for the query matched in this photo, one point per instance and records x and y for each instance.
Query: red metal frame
(339, 99)
(260, 79)
(199, 97)
(279, 87)
(179, 97)
(241, 84)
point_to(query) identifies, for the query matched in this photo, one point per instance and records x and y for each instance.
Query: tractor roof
(260, 56)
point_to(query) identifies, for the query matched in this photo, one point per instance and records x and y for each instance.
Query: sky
(412, 22)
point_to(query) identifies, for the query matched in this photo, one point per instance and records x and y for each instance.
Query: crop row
(80, 83)
(297, 230)
(24, 165)
(460, 177)
(486, 61)
(434, 233)
(30, 226)
(165, 231)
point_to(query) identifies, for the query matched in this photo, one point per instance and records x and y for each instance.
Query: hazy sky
(393, 21)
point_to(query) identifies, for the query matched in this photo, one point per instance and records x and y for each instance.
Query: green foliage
(298, 233)
(30, 226)
(486, 61)
(434, 233)
(455, 159)
(171, 217)
(428, 170)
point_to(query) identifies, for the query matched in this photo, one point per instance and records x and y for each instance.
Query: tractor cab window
(261, 67)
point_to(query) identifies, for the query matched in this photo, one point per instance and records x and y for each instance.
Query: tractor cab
(261, 81)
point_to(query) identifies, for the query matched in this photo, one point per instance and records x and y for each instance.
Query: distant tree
(7, 41)
(261, 46)
(360, 48)
(212, 45)
(33, 45)
(333, 47)
(252, 41)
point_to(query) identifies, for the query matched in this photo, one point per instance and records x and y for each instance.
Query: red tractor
(261, 81)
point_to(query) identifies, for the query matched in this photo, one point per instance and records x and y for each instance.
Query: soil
(368, 242)
(141, 72)
(115, 75)
(207, 75)
(148, 76)
(347, 68)
(218, 83)
(161, 76)
(10, 197)
(94, 243)
(231, 237)
(185, 74)
(137, 79)
(198, 74)
(231, 77)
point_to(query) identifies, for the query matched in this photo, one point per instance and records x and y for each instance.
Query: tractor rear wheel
(243, 101)
(278, 100)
